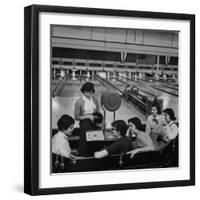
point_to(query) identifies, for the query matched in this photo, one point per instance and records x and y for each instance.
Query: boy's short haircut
(65, 122)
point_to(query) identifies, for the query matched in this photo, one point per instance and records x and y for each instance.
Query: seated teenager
(170, 129)
(155, 123)
(60, 143)
(143, 141)
(122, 145)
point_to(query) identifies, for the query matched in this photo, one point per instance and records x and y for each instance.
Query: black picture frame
(31, 98)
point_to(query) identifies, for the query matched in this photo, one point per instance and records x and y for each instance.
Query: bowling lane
(144, 86)
(144, 89)
(120, 85)
(53, 86)
(71, 87)
(169, 86)
(153, 88)
(166, 90)
(166, 84)
(55, 81)
(64, 104)
(159, 87)
(169, 101)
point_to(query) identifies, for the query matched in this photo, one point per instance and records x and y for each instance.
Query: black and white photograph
(114, 98)
(109, 100)
(100, 100)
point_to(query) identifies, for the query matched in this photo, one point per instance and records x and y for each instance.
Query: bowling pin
(164, 77)
(62, 73)
(88, 74)
(108, 75)
(73, 75)
(136, 77)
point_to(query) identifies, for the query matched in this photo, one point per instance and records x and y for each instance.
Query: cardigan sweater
(79, 107)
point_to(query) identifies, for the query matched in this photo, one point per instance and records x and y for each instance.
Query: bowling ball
(98, 118)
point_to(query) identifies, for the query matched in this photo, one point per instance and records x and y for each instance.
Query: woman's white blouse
(170, 131)
(60, 145)
(89, 105)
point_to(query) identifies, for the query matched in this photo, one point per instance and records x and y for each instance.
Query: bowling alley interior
(114, 98)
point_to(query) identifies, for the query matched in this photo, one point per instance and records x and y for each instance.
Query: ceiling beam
(114, 47)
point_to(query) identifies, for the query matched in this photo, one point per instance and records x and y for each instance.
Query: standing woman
(86, 107)
(87, 113)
